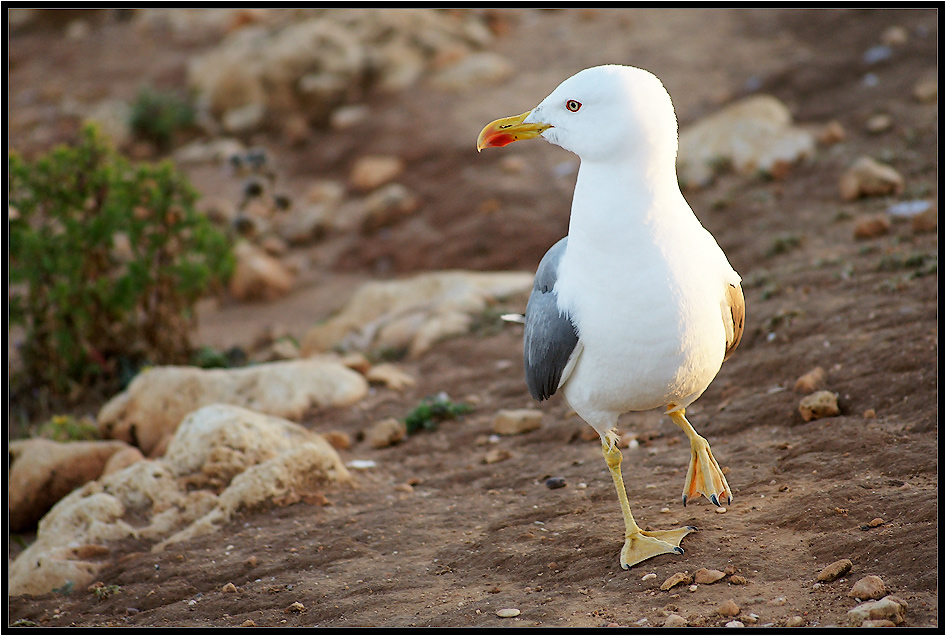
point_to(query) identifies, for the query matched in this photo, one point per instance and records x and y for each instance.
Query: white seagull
(638, 306)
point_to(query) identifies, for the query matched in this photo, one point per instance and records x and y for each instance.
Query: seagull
(637, 307)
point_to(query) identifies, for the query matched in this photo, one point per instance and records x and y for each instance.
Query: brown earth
(469, 538)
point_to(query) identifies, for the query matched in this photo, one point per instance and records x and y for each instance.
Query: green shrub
(157, 116)
(107, 259)
(430, 411)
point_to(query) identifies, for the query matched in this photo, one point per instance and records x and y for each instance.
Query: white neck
(619, 204)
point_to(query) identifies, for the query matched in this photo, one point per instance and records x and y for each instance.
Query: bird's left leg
(704, 475)
(638, 544)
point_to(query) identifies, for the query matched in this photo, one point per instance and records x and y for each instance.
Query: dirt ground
(433, 536)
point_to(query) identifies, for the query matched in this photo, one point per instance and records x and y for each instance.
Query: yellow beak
(503, 132)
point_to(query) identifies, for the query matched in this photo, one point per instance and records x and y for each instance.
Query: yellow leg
(704, 476)
(639, 544)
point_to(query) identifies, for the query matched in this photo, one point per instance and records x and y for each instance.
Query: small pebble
(251, 561)
(693, 588)
(819, 404)
(721, 510)
(496, 455)
(707, 577)
(665, 510)
(648, 577)
(676, 579)
(248, 623)
(229, 588)
(728, 608)
(778, 601)
(811, 381)
(675, 620)
(296, 607)
(508, 612)
(795, 621)
(835, 571)
(555, 482)
(868, 588)
(872, 227)
(735, 624)
(737, 579)
(869, 414)
(876, 521)
(879, 123)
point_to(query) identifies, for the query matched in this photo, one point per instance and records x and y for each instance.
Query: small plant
(107, 259)
(103, 591)
(431, 411)
(66, 428)
(157, 116)
(783, 243)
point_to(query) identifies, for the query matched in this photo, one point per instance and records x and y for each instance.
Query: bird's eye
(573, 105)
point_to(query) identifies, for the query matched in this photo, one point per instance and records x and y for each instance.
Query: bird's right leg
(639, 545)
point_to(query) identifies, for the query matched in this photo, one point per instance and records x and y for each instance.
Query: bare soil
(468, 538)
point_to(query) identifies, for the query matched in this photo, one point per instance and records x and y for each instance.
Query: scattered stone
(704, 576)
(295, 608)
(738, 579)
(926, 90)
(831, 133)
(735, 624)
(895, 36)
(517, 421)
(390, 376)
(869, 414)
(386, 207)
(876, 521)
(345, 117)
(879, 123)
(795, 621)
(754, 134)
(819, 404)
(158, 399)
(721, 510)
(508, 612)
(648, 577)
(248, 623)
(305, 223)
(835, 571)
(778, 601)
(361, 464)
(868, 588)
(251, 561)
(890, 608)
(871, 227)
(676, 579)
(413, 313)
(553, 483)
(878, 53)
(257, 275)
(693, 587)
(43, 471)
(374, 170)
(229, 588)
(869, 178)
(675, 620)
(728, 608)
(339, 440)
(878, 623)
(496, 455)
(386, 433)
(811, 381)
(925, 222)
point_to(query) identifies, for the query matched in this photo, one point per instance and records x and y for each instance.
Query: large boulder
(43, 471)
(222, 459)
(156, 401)
(752, 135)
(414, 313)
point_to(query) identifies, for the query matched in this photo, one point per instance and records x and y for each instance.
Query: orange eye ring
(573, 105)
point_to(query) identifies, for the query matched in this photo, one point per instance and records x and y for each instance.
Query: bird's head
(600, 114)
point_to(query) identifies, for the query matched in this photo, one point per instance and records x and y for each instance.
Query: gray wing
(550, 336)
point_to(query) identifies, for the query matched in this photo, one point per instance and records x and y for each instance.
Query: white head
(604, 113)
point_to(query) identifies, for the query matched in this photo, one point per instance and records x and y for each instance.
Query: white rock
(413, 313)
(889, 608)
(508, 612)
(869, 178)
(753, 134)
(258, 275)
(158, 399)
(255, 459)
(675, 620)
(517, 421)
